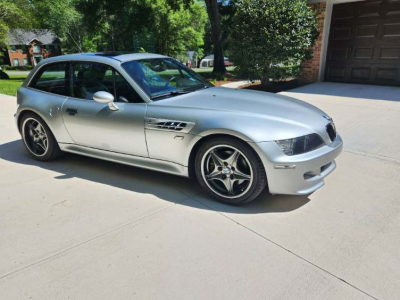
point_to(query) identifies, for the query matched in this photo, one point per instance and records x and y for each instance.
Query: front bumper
(298, 174)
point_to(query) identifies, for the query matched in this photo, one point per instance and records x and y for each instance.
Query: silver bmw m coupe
(150, 111)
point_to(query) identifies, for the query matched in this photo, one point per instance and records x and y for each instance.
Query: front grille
(331, 130)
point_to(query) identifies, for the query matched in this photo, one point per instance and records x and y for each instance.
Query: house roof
(25, 37)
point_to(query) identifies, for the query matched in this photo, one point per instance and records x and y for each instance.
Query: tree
(227, 10)
(13, 14)
(177, 29)
(216, 34)
(271, 34)
(216, 30)
(62, 17)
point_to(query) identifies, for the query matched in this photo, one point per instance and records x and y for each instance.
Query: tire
(230, 171)
(38, 138)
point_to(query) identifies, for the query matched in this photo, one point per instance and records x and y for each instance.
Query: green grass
(10, 86)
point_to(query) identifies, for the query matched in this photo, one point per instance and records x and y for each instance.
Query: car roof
(105, 56)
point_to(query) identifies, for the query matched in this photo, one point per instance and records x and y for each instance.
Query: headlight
(301, 144)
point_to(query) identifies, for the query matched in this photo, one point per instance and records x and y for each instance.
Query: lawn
(10, 86)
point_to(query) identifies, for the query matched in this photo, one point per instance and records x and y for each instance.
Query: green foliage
(269, 38)
(14, 68)
(177, 30)
(63, 18)
(13, 14)
(168, 27)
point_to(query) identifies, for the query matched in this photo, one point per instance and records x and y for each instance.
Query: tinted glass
(159, 76)
(52, 79)
(125, 92)
(89, 78)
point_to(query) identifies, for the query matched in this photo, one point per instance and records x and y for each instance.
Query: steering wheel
(171, 80)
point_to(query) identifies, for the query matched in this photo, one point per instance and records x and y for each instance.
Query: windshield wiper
(171, 93)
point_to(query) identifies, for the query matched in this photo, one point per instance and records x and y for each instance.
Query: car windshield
(164, 77)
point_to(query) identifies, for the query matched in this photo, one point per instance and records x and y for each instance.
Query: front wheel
(230, 171)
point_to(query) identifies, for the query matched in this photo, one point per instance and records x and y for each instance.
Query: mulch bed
(274, 87)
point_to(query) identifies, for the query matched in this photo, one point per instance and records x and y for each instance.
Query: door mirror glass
(105, 98)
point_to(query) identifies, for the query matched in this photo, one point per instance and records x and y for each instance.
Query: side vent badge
(169, 125)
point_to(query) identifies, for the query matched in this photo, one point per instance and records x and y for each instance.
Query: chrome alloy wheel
(227, 171)
(35, 137)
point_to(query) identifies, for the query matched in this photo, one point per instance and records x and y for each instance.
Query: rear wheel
(38, 138)
(230, 171)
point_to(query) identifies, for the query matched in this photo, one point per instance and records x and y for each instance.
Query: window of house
(16, 62)
(36, 48)
(13, 49)
(26, 62)
(52, 79)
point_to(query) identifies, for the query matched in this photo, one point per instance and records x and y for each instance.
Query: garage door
(364, 43)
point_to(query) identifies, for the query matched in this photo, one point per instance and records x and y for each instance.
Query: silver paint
(128, 135)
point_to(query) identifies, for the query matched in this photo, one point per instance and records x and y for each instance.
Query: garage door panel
(391, 30)
(387, 74)
(364, 53)
(393, 8)
(341, 33)
(364, 43)
(369, 9)
(339, 53)
(342, 14)
(389, 53)
(358, 73)
(337, 73)
(367, 31)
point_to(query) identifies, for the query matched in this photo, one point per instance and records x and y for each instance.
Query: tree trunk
(215, 20)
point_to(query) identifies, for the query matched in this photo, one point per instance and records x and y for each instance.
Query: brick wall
(29, 55)
(310, 71)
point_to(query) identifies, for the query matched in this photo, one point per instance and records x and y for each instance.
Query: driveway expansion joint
(291, 252)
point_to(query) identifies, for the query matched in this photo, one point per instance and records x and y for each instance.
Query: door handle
(71, 111)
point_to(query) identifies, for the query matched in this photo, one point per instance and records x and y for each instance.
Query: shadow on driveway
(144, 181)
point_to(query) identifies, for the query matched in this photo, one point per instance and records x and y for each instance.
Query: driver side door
(93, 124)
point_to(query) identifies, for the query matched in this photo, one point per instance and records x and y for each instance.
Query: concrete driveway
(81, 228)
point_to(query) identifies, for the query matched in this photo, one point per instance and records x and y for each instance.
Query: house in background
(359, 42)
(29, 47)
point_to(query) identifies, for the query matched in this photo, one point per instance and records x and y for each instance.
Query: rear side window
(52, 79)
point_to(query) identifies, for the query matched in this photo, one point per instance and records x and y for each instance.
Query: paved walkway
(236, 84)
(81, 228)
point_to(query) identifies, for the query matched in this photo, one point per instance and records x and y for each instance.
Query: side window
(124, 91)
(52, 79)
(89, 78)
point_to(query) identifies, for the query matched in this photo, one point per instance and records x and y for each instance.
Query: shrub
(13, 68)
(270, 38)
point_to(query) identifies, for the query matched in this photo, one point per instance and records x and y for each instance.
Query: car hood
(254, 102)
(260, 116)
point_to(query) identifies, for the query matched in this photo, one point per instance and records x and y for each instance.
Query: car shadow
(145, 181)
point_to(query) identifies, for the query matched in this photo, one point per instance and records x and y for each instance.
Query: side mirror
(105, 98)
